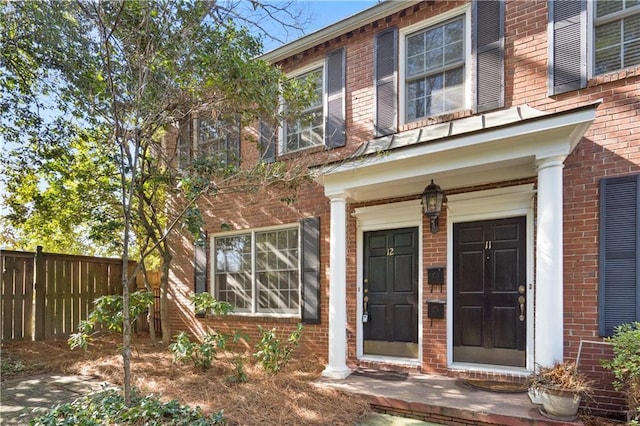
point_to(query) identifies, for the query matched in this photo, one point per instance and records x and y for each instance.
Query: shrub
(207, 305)
(108, 407)
(201, 354)
(274, 354)
(108, 313)
(239, 375)
(625, 364)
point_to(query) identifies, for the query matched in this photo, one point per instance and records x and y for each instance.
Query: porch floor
(444, 400)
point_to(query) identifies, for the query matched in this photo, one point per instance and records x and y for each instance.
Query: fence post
(40, 294)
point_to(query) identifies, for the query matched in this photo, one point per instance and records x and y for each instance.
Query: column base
(336, 373)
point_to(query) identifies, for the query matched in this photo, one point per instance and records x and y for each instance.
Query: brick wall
(611, 147)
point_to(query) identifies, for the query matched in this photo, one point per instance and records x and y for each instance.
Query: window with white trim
(434, 64)
(259, 271)
(308, 130)
(616, 28)
(216, 139)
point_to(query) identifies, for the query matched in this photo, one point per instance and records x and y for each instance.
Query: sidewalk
(23, 398)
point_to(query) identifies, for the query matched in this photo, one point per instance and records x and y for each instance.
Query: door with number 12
(390, 299)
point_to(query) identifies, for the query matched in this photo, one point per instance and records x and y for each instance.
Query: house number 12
(390, 251)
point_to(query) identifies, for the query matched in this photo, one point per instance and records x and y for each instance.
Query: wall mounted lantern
(432, 204)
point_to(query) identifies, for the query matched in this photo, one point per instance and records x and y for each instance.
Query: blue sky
(320, 13)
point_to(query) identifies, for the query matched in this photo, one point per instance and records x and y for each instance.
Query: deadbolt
(522, 289)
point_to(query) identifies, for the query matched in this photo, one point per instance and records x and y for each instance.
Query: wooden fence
(46, 295)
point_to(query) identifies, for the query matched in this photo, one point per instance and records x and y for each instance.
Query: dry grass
(289, 397)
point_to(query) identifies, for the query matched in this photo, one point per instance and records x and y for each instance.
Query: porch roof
(496, 146)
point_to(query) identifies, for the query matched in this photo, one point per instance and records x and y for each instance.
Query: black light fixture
(432, 204)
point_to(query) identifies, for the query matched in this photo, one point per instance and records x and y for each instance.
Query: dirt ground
(288, 397)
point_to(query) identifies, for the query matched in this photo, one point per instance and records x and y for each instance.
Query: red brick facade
(610, 147)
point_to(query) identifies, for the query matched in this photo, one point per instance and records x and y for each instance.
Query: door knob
(521, 302)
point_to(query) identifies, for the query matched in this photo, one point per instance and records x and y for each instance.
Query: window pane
(416, 102)
(212, 139)
(277, 277)
(632, 28)
(607, 7)
(608, 35)
(434, 87)
(308, 130)
(433, 39)
(454, 32)
(415, 65)
(617, 41)
(632, 54)
(233, 271)
(454, 97)
(433, 59)
(608, 54)
(453, 52)
(415, 54)
(440, 46)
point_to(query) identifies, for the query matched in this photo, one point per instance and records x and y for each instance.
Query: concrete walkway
(443, 400)
(23, 398)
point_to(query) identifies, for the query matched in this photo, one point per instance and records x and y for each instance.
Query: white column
(337, 367)
(549, 319)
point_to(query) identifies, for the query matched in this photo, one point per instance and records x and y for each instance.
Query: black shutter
(489, 53)
(310, 270)
(200, 265)
(334, 120)
(267, 143)
(619, 270)
(567, 45)
(386, 74)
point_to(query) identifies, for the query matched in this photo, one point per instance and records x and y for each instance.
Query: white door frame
(406, 214)
(487, 205)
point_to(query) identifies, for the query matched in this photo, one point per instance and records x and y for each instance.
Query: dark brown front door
(390, 299)
(489, 291)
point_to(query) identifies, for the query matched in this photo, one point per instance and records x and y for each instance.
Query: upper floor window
(204, 138)
(616, 35)
(217, 139)
(435, 71)
(308, 129)
(259, 271)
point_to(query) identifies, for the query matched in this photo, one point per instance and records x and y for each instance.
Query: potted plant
(560, 389)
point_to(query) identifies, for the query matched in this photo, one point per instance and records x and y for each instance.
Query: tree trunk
(164, 295)
(151, 316)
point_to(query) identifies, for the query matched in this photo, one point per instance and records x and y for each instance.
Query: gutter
(360, 19)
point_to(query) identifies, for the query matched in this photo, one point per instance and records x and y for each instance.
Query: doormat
(496, 386)
(381, 374)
